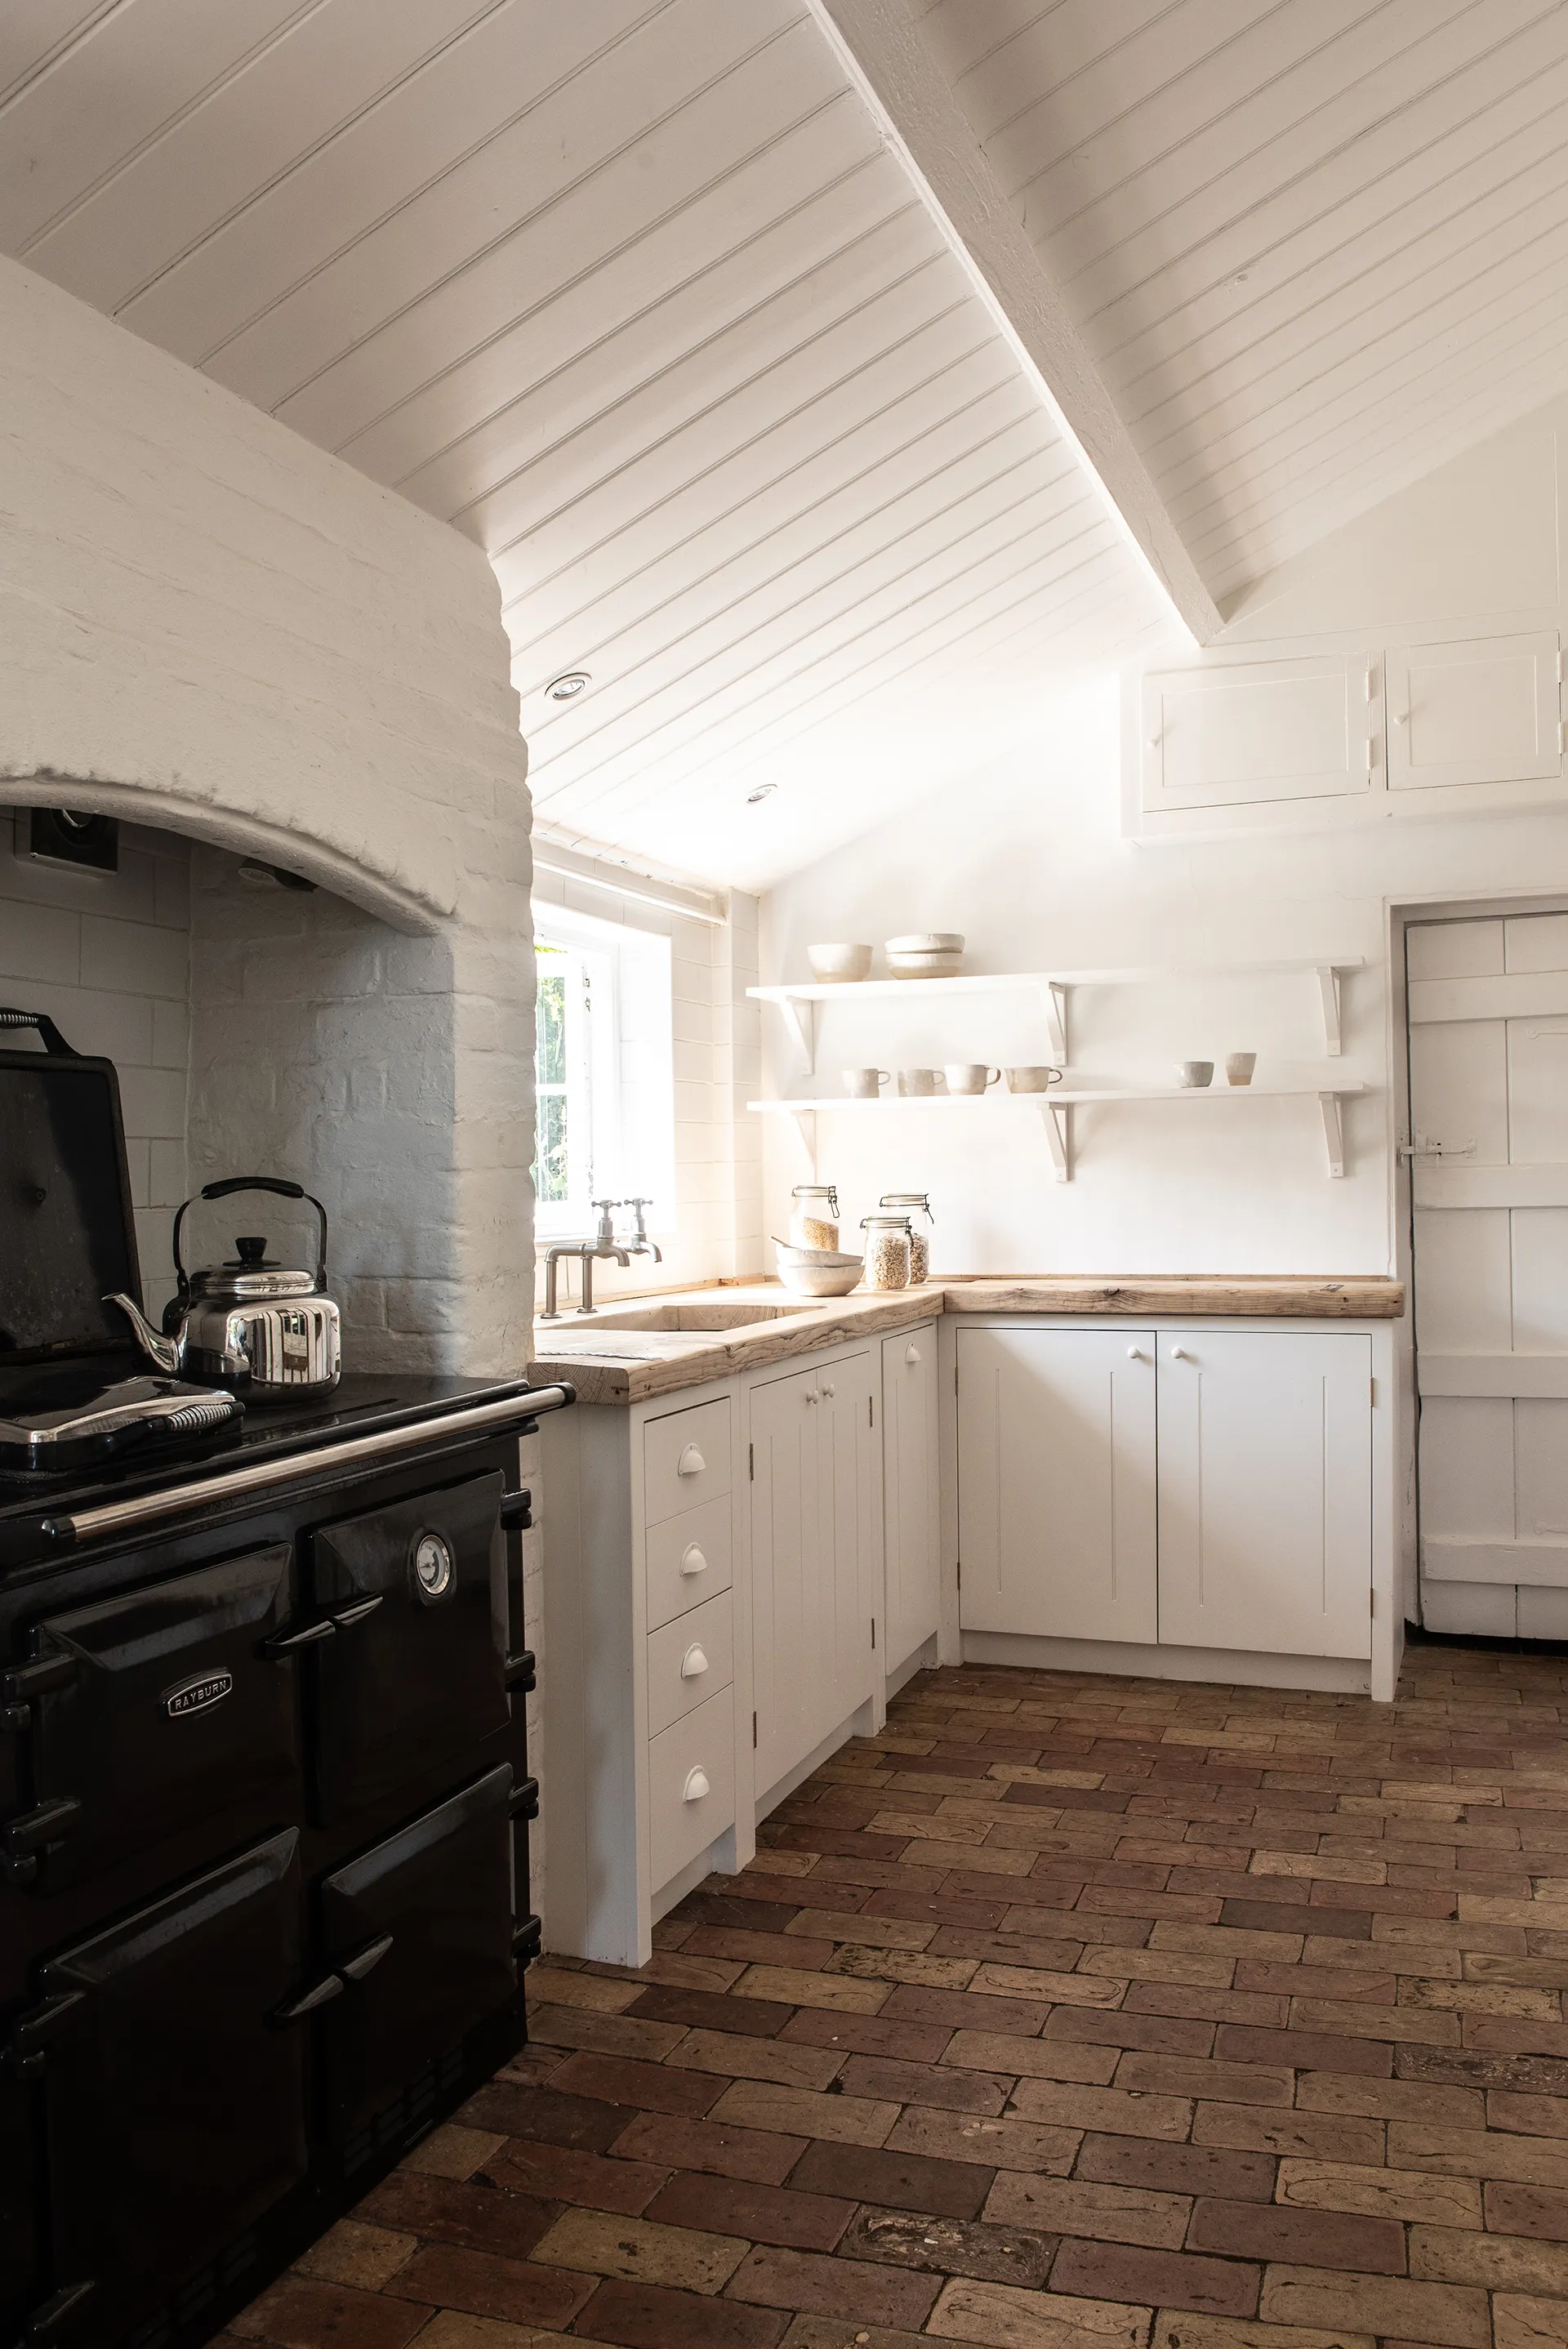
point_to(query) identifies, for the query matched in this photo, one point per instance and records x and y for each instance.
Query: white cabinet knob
(912, 1353)
(811, 1395)
(694, 1663)
(1179, 1354)
(827, 1394)
(1135, 1353)
(696, 1787)
(691, 1462)
(693, 1560)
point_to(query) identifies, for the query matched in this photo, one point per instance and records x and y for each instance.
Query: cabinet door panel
(1235, 733)
(1056, 1483)
(814, 1523)
(1265, 1492)
(1482, 710)
(911, 1505)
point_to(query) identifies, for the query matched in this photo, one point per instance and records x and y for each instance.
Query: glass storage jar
(814, 1217)
(887, 1251)
(914, 1204)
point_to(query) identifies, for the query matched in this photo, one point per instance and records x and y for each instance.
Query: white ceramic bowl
(926, 942)
(924, 966)
(839, 962)
(788, 1253)
(821, 1279)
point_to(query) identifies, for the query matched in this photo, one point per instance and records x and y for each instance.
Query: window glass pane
(552, 1177)
(550, 1048)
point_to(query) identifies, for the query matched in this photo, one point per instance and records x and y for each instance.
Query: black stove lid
(67, 1237)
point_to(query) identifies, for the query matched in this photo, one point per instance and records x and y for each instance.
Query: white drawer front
(690, 1558)
(686, 1459)
(689, 1661)
(696, 1753)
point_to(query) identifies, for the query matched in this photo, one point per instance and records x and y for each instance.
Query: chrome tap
(604, 1244)
(640, 1244)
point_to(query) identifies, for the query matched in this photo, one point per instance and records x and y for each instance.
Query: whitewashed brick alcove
(208, 626)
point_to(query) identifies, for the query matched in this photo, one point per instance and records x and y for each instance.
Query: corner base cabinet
(716, 1613)
(1223, 1489)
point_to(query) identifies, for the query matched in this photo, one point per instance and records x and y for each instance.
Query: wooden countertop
(636, 1349)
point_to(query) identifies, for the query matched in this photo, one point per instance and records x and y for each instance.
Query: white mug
(919, 1083)
(1032, 1080)
(1239, 1067)
(1194, 1075)
(865, 1084)
(970, 1076)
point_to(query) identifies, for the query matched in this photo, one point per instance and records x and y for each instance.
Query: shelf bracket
(1328, 987)
(1057, 1121)
(1054, 1001)
(806, 1127)
(1333, 1135)
(800, 1018)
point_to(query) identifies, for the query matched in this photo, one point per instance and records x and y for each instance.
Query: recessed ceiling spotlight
(763, 792)
(568, 687)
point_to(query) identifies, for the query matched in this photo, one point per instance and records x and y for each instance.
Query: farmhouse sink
(690, 1320)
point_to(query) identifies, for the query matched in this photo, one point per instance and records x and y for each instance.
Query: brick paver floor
(1071, 2013)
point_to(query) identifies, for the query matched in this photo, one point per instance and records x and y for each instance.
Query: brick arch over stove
(212, 627)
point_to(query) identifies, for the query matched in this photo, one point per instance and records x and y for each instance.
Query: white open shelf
(798, 1002)
(1057, 1107)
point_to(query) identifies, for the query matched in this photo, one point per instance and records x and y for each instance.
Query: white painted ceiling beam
(881, 47)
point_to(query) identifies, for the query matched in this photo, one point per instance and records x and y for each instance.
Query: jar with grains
(914, 1204)
(814, 1217)
(887, 1251)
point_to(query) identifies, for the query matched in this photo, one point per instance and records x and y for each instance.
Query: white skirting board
(923, 1660)
(1225, 1665)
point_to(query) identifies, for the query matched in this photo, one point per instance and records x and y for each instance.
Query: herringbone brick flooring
(1069, 2014)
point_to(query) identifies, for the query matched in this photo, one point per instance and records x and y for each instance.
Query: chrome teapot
(264, 1328)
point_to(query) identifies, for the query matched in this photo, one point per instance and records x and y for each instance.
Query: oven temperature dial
(433, 1568)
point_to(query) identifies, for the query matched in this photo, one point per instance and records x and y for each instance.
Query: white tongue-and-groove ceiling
(643, 299)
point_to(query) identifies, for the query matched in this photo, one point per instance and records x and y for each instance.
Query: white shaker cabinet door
(1265, 1492)
(1056, 1483)
(1481, 710)
(814, 1526)
(911, 1500)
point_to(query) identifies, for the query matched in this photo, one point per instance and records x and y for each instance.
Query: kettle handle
(221, 1190)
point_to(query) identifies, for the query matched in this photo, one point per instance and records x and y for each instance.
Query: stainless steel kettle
(264, 1328)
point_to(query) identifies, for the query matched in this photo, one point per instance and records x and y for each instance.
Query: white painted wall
(1028, 860)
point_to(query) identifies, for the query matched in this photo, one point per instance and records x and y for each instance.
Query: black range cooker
(263, 1799)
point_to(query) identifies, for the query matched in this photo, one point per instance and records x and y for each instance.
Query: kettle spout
(163, 1352)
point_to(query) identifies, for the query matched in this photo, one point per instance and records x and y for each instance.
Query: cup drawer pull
(691, 1462)
(692, 1560)
(694, 1663)
(696, 1785)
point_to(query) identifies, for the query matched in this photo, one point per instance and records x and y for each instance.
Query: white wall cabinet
(1265, 1492)
(1298, 736)
(911, 1495)
(815, 1483)
(1175, 1488)
(1056, 1469)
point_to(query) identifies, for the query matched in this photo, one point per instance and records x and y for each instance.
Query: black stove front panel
(419, 1930)
(156, 1714)
(415, 1672)
(174, 2099)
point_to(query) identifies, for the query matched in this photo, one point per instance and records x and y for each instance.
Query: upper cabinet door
(1056, 1483)
(911, 1502)
(1242, 732)
(1265, 1492)
(1481, 710)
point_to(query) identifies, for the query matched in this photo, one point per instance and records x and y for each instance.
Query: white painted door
(1265, 1491)
(814, 1527)
(1056, 1483)
(1235, 733)
(911, 1501)
(1489, 1113)
(1481, 710)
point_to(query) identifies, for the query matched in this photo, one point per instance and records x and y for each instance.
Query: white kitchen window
(603, 1069)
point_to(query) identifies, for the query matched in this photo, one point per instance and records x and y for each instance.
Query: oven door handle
(304, 1635)
(344, 1618)
(518, 1671)
(357, 1967)
(329, 1987)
